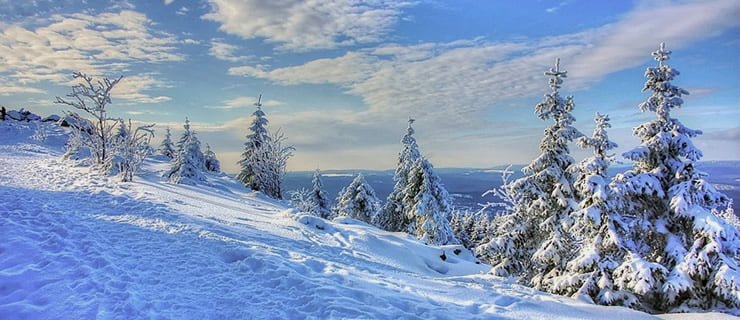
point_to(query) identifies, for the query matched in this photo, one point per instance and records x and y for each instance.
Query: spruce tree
(358, 201)
(533, 241)
(189, 164)
(392, 217)
(684, 256)
(255, 139)
(598, 226)
(429, 205)
(211, 162)
(319, 197)
(166, 148)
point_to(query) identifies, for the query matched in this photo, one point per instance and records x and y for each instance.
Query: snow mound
(81, 246)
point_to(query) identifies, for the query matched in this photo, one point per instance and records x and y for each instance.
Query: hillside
(79, 246)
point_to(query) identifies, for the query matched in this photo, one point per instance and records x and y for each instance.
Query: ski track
(78, 246)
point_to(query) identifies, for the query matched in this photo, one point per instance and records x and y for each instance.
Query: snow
(85, 246)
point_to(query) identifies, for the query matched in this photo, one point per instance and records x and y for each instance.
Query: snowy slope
(74, 245)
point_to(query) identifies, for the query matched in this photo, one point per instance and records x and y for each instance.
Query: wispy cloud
(454, 84)
(224, 51)
(242, 102)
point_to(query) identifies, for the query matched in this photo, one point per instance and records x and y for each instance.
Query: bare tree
(93, 97)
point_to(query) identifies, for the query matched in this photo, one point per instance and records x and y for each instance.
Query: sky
(340, 78)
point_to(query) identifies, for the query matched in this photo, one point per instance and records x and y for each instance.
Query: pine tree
(319, 197)
(533, 241)
(392, 217)
(458, 224)
(357, 201)
(692, 255)
(429, 205)
(211, 162)
(255, 139)
(189, 164)
(166, 148)
(599, 228)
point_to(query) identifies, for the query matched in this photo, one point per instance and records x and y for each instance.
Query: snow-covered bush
(392, 216)
(505, 203)
(357, 201)
(211, 162)
(93, 97)
(728, 214)
(166, 148)
(301, 199)
(131, 147)
(533, 241)
(268, 164)
(189, 164)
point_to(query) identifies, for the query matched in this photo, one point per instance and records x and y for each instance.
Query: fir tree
(458, 224)
(533, 241)
(692, 255)
(166, 148)
(392, 217)
(597, 225)
(189, 164)
(211, 162)
(429, 205)
(255, 139)
(319, 197)
(358, 201)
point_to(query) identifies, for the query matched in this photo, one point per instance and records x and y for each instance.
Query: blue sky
(340, 78)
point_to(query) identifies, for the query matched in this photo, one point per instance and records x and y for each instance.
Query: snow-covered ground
(74, 245)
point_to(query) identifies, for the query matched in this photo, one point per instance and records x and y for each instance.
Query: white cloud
(452, 85)
(134, 88)
(8, 89)
(182, 11)
(106, 43)
(307, 24)
(225, 51)
(440, 79)
(168, 2)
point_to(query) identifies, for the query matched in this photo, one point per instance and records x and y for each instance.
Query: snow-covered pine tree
(685, 257)
(599, 228)
(428, 205)
(211, 162)
(319, 197)
(357, 201)
(457, 223)
(189, 164)
(166, 148)
(258, 135)
(533, 240)
(392, 217)
(181, 142)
